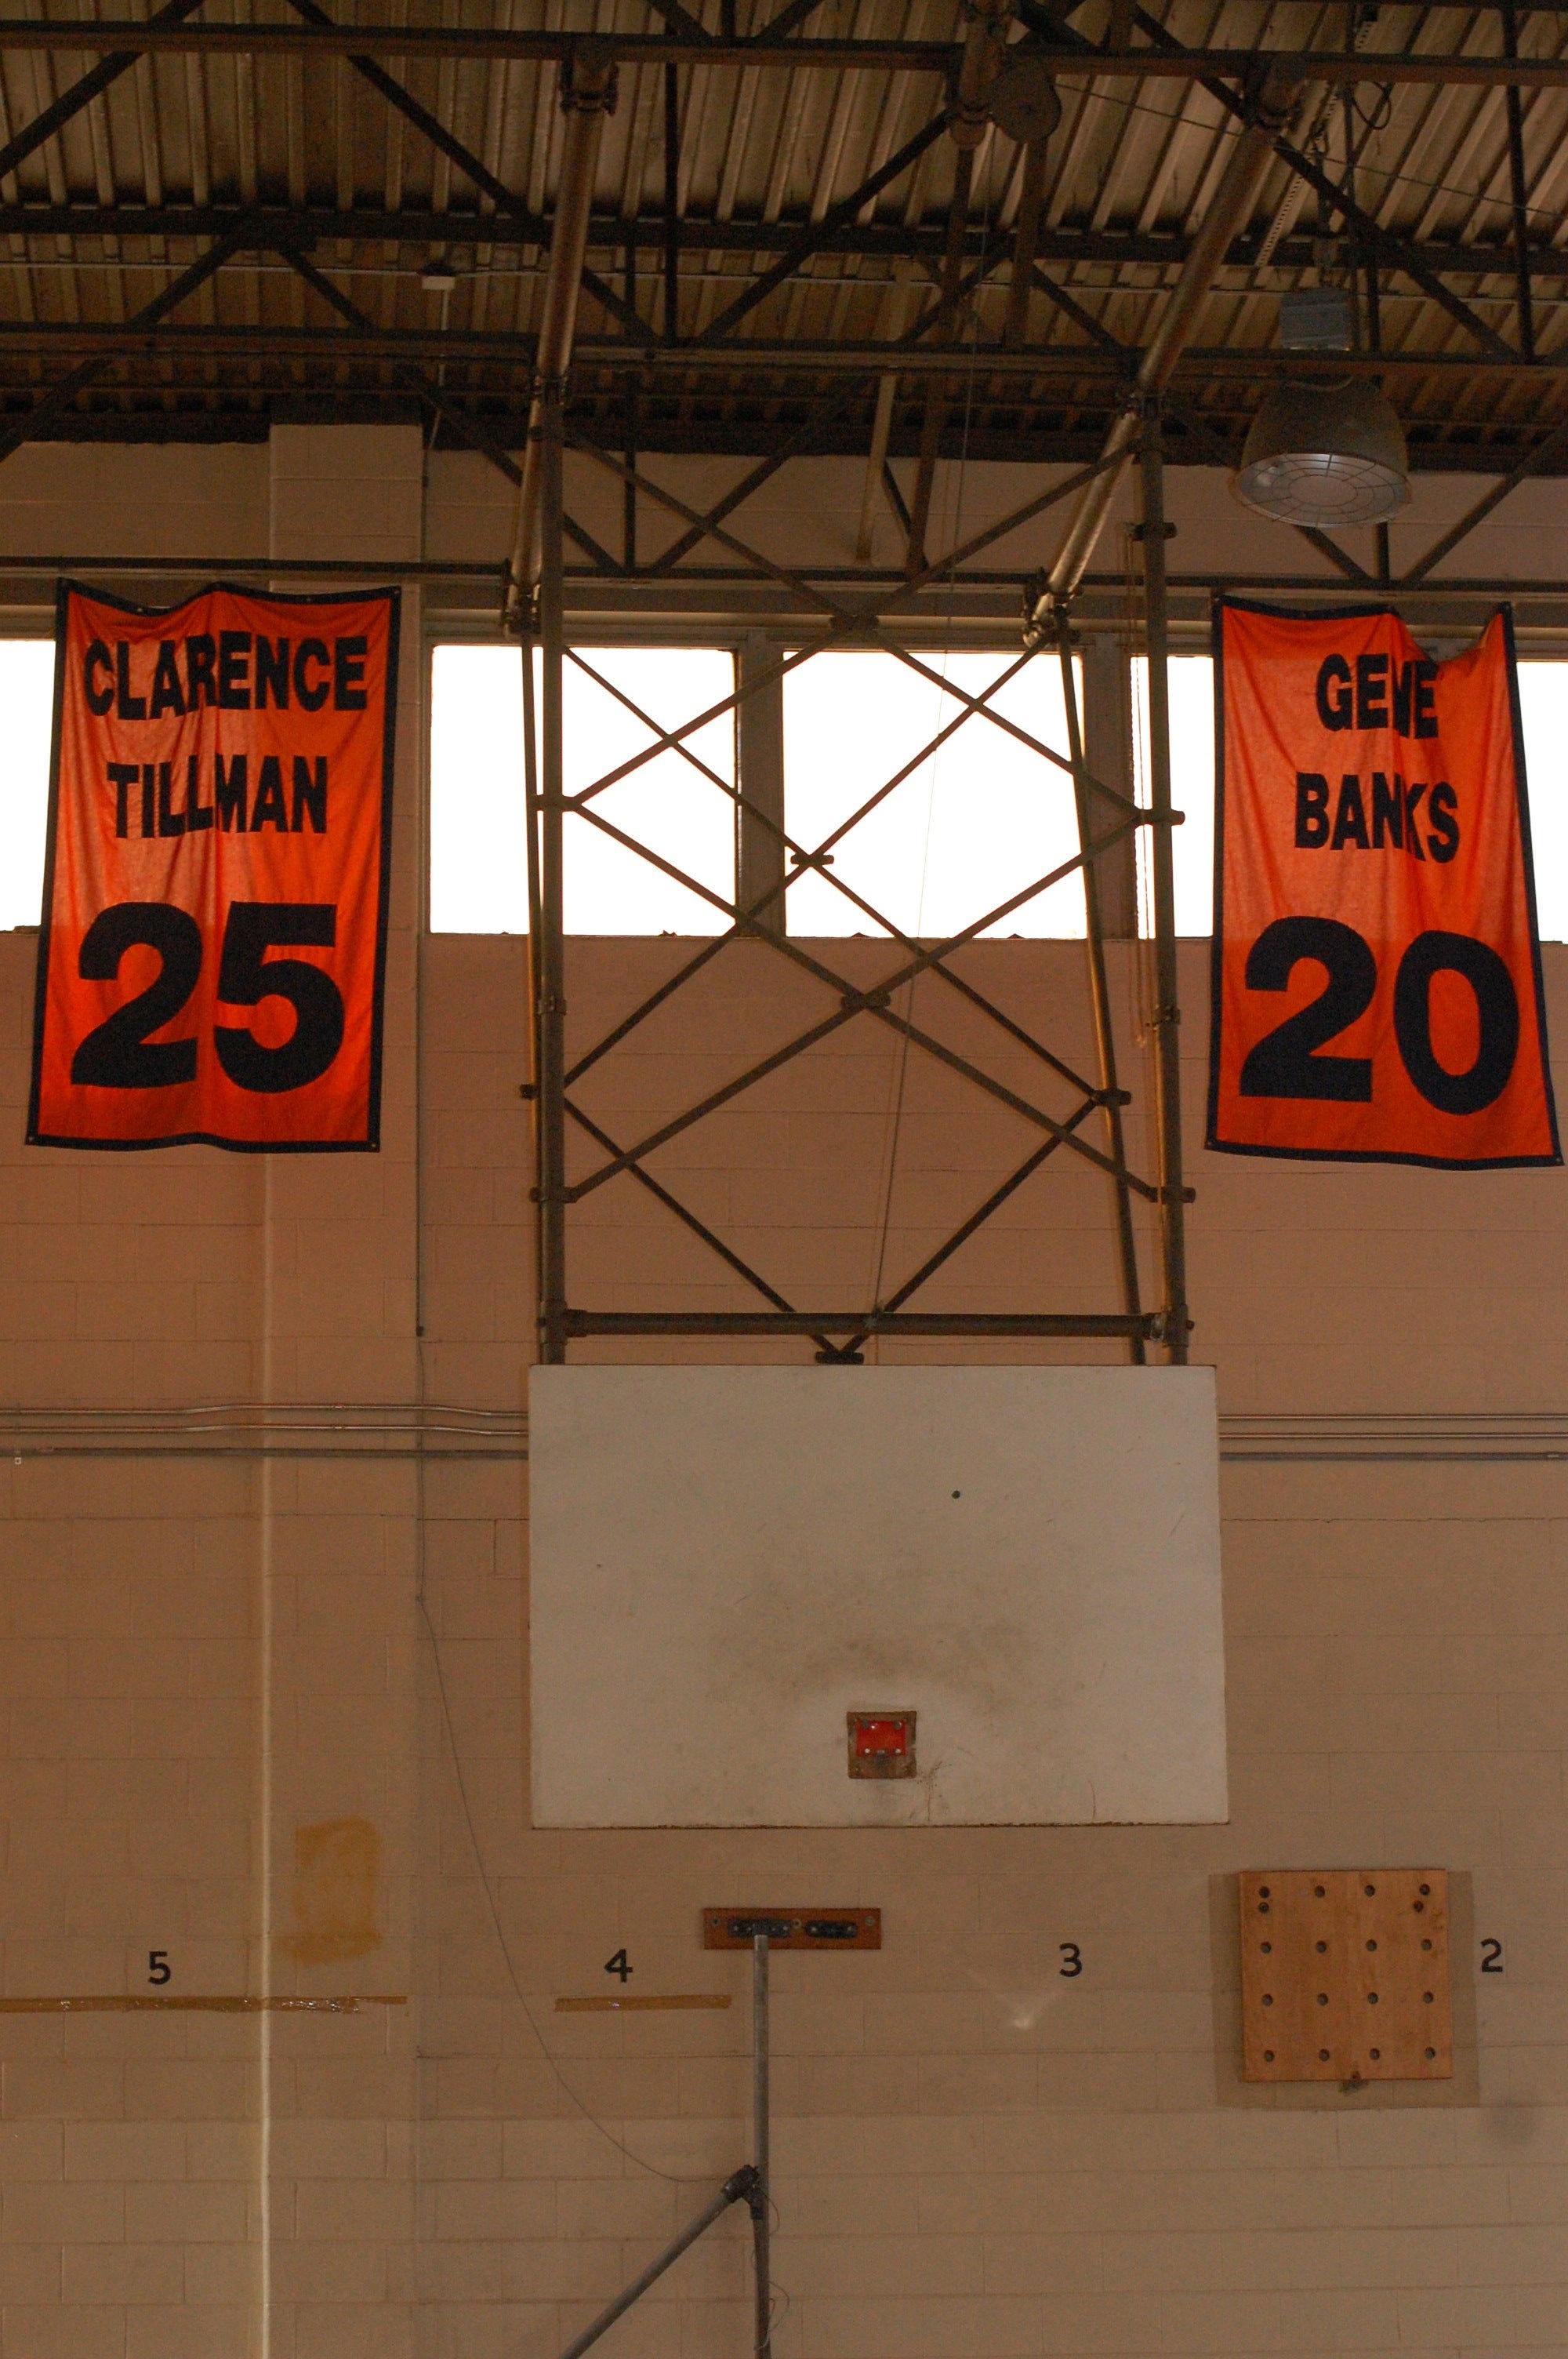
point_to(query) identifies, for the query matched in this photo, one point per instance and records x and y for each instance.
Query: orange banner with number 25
(212, 952)
(1377, 971)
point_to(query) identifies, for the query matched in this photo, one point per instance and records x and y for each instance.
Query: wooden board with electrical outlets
(1345, 1974)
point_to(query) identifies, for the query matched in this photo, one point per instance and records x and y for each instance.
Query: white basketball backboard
(726, 1562)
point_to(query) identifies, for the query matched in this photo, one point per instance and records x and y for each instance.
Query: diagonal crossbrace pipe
(1232, 204)
(739, 2187)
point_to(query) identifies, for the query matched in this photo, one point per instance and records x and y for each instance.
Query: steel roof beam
(410, 226)
(450, 145)
(808, 242)
(719, 368)
(1389, 249)
(71, 102)
(85, 38)
(55, 398)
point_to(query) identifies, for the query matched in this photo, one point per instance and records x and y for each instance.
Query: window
(972, 823)
(617, 700)
(26, 697)
(1544, 712)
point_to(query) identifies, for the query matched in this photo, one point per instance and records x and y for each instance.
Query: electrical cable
(587, 2111)
(1383, 172)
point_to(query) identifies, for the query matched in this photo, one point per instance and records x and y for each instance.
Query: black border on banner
(371, 1144)
(1220, 603)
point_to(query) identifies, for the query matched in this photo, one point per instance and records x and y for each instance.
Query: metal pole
(672, 204)
(535, 935)
(549, 1099)
(738, 2188)
(759, 813)
(1099, 994)
(587, 95)
(1519, 190)
(1249, 160)
(1032, 198)
(871, 499)
(1167, 1009)
(760, 2116)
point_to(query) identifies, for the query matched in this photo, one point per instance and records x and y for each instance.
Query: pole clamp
(745, 2186)
(589, 83)
(1040, 605)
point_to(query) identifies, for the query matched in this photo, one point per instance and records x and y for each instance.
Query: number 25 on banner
(1376, 969)
(118, 1054)
(219, 801)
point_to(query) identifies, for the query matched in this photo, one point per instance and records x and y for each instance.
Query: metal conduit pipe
(985, 43)
(587, 95)
(1227, 215)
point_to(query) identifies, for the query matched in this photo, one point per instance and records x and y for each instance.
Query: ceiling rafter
(152, 152)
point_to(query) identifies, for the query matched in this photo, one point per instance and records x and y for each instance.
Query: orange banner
(212, 960)
(1377, 990)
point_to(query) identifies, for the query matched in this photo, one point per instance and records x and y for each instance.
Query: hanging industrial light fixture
(1325, 455)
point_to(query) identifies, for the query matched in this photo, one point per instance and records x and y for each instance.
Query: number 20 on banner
(220, 803)
(1376, 976)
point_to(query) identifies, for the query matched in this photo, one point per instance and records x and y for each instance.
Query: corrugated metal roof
(154, 166)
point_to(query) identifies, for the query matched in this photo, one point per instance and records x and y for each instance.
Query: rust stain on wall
(337, 1866)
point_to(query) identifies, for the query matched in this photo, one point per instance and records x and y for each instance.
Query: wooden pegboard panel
(1345, 1974)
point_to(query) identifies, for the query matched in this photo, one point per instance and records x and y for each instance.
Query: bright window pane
(1192, 787)
(1544, 709)
(479, 878)
(668, 804)
(479, 881)
(26, 692)
(971, 823)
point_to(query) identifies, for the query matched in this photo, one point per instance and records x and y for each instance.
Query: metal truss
(420, 228)
(174, 30)
(1091, 1100)
(488, 370)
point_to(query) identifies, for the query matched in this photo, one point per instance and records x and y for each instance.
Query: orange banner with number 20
(1377, 971)
(212, 952)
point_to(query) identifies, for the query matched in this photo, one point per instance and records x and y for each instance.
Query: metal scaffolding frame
(840, 1334)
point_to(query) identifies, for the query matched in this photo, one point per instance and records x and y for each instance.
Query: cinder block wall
(265, 1714)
